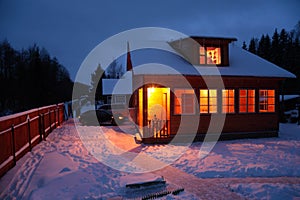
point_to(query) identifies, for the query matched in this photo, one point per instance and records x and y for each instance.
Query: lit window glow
(208, 101)
(209, 55)
(247, 101)
(228, 101)
(266, 100)
(184, 101)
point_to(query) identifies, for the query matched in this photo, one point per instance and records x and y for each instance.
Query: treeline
(30, 78)
(282, 49)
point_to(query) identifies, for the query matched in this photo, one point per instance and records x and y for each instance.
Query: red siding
(234, 123)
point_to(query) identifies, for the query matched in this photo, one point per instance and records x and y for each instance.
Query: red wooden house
(203, 85)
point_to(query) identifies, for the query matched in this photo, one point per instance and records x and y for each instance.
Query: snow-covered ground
(62, 167)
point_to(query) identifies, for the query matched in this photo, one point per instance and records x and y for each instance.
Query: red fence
(22, 131)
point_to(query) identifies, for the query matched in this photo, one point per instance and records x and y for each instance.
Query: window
(120, 99)
(247, 101)
(184, 101)
(209, 55)
(208, 101)
(266, 100)
(228, 101)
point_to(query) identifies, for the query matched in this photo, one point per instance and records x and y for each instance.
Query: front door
(158, 111)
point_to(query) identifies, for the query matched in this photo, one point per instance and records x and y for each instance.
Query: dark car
(100, 117)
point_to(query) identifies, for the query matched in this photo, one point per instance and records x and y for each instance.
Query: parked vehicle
(116, 108)
(100, 117)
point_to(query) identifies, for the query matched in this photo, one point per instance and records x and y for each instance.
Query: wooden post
(58, 115)
(50, 129)
(43, 127)
(28, 130)
(55, 111)
(13, 144)
(40, 127)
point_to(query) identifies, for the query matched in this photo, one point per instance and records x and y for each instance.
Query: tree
(114, 70)
(275, 49)
(31, 78)
(96, 92)
(252, 46)
(244, 45)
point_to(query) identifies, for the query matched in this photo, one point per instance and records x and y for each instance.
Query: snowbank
(62, 168)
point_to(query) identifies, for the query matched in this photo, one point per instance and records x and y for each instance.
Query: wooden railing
(158, 128)
(20, 132)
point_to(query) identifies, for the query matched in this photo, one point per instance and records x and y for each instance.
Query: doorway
(158, 112)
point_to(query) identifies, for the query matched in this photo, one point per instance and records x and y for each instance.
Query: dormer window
(204, 51)
(209, 55)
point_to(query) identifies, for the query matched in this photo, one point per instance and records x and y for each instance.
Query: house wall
(234, 123)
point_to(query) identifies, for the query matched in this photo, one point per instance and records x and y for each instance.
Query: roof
(159, 58)
(120, 86)
(241, 63)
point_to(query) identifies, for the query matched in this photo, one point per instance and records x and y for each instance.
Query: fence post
(40, 127)
(50, 128)
(57, 108)
(43, 126)
(28, 130)
(13, 144)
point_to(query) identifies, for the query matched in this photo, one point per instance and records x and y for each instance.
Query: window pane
(184, 101)
(267, 101)
(208, 101)
(231, 109)
(203, 93)
(202, 50)
(204, 109)
(251, 108)
(271, 93)
(271, 108)
(202, 60)
(213, 55)
(228, 101)
(243, 108)
(243, 93)
(213, 109)
(213, 93)
(203, 101)
(247, 101)
(251, 93)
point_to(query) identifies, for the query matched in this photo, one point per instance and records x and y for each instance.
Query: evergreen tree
(275, 49)
(96, 84)
(252, 46)
(30, 78)
(261, 47)
(244, 45)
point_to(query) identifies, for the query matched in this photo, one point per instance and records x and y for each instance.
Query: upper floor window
(228, 101)
(266, 100)
(209, 55)
(247, 101)
(184, 101)
(208, 101)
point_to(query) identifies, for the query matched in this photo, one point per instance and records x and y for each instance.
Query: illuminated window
(228, 101)
(184, 101)
(209, 55)
(208, 101)
(266, 100)
(247, 101)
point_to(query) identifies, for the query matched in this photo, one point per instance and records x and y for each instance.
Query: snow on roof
(241, 63)
(121, 86)
(288, 97)
(159, 58)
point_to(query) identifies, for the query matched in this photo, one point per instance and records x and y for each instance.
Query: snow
(241, 63)
(288, 97)
(118, 86)
(62, 168)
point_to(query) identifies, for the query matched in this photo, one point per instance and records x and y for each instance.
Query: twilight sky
(70, 29)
